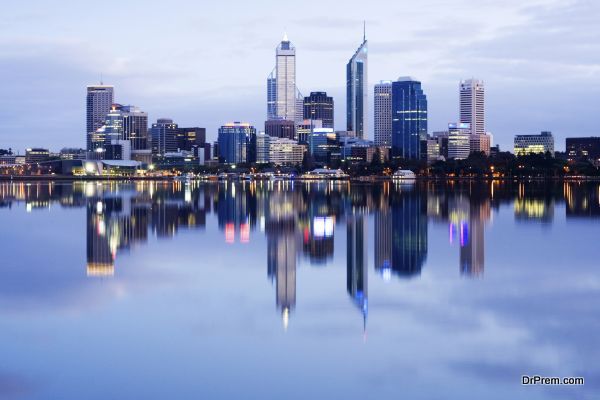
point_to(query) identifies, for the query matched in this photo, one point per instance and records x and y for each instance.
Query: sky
(206, 63)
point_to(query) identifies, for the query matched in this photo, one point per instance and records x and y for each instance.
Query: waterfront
(298, 290)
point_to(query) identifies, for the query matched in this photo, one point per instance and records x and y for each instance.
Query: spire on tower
(364, 31)
(285, 37)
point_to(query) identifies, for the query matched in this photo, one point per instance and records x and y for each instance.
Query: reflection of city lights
(229, 233)
(99, 207)
(286, 318)
(245, 233)
(323, 227)
(28, 207)
(464, 234)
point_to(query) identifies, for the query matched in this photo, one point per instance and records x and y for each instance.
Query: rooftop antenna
(364, 31)
(101, 83)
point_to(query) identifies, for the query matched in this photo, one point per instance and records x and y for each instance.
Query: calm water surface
(161, 290)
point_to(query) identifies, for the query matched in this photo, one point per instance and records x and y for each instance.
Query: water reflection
(300, 221)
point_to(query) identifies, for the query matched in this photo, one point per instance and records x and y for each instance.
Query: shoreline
(363, 179)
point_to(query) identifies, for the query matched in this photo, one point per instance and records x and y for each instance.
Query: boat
(404, 174)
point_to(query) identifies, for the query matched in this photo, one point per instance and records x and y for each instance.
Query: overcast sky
(205, 63)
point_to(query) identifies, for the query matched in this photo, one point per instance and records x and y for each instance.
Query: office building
(187, 138)
(481, 143)
(237, 143)
(164, 136)
(383, 113)
(319, 106)
(459, 141)
(299, 112)
(283, 151)
(285, 80)
(263, 144)
(305, 128)
(98, 103)
(432, 150)
(472, 110)
(281, 128)
(583, 149)
(36, 155)
(272, 95)
(135, 127)
(532, 144)
(323, 144)
(409, 118)
(357, 91)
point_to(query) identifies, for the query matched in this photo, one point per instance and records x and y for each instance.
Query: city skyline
(211, 93)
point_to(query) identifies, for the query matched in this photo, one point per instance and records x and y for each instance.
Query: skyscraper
(285, 76)
(99, 100)
(357, 91)
(383, 113)
(319, 106)
(472, 105)
(409, 118)
(272, 95)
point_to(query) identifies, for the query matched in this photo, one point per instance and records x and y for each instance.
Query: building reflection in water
(300, 220)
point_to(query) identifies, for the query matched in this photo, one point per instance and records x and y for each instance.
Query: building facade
(532, 144)
(472, 105)
(283, 151)
(164, 136)
(383, 113)
(285, 76)
(237, 143)
(409, 118)
(583, 149)
(187, 138)
(319, 106)
(281, 128)
(357, 92)
(98, 103)
(481, 143)
(459, 141)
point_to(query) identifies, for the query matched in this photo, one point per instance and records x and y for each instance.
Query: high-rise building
(459, 141)
(531, 144)
(299, 112)
(164, 136)
(319, 106)
(472, 110)
(357, 91)
(272, 95)
(285, 80)
(263, 143)
(99, 100)
(409, 118)
(135, 127)
(237, 143)
(383, 113)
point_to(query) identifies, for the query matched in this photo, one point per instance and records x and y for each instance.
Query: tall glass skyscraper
(357, 91)
(285, 86)
(409, 118)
